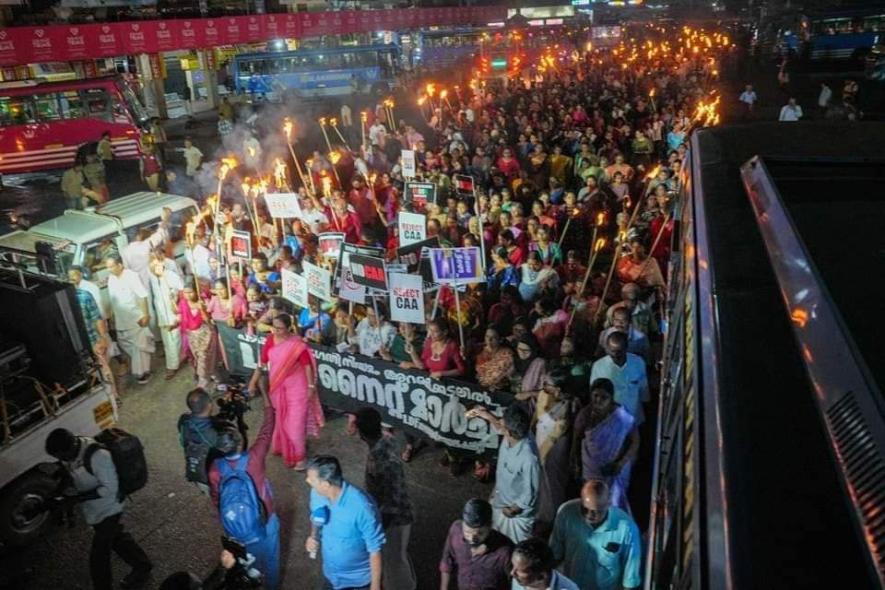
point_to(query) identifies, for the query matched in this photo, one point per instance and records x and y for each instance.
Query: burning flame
(599, 245)
(333, 122)
(600, 219)
(364, 116)
(431, 89)
(334, 157)
(421, 100)
(443, 94)
(287, 128)
(322, 121)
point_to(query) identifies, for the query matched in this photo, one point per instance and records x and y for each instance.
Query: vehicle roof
(17, 88)
(143, 206)
(94, 224)
(79, 226)
(26, 241)
(273, 55)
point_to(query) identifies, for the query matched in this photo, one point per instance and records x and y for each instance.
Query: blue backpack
(243, 514)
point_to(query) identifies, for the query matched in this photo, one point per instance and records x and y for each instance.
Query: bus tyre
(21, 520)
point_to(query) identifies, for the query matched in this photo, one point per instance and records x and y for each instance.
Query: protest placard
(283, 205)
(419, 193)
(368, 271)
(412, 227)
(294, 288)
(410, 168)
(406, 298)
(456, 265)
(319, 281)
(347, 287)
(241, 244)
(329, 244)
(416, 257)
(464, 184)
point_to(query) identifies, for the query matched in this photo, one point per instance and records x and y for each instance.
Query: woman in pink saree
(292, 392)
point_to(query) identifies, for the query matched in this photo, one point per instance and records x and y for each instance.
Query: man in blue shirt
(352, 538)
(596, 544)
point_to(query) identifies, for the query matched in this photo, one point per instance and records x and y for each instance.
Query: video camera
(242, 575)
(233, 403)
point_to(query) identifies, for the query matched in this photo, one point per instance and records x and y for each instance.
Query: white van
(85, 238)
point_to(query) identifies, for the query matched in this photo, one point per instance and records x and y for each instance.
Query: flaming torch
(364, 117)
(287, 129)
(334, 123)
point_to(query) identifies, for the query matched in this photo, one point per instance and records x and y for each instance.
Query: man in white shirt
(626, 371)
(790, 111)
(532, 564)
(199, 258)
(137, 254)
(823, 99)
(193, 157)
(130, 308)
(748, 99)
(313, 217)
(251, 152)
(346, 116)
(165, 287)
(376, 133)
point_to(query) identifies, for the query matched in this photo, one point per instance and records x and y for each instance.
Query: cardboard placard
(347, 287)
(241, 244)
(456, 265)
(419, 193)
(329, 244)
(368, 271)
(410, 167)
(464, 184)
(412, 227)
(294, 288)
(283, 205)
(319, 281)
(406, 298)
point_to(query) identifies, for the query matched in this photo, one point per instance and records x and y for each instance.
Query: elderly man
(137, 254)
(131, 312)
(596, 544)
(637, 341)
(475, 554)
(532, 566)
(165, 288)
(518, 475)
(626, 371)
(640, 312)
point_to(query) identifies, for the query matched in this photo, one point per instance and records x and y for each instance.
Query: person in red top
(344, 220)
(508, 165)
(266, 549)
(363, 201)
(515, 254)
(440, 355)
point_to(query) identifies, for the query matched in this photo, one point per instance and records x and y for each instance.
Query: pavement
(179, 529)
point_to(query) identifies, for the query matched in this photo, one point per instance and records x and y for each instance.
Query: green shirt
(398, 348)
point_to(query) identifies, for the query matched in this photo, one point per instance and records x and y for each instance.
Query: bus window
(71, 104)
(15, 110)
(46, 106)
(97, 103)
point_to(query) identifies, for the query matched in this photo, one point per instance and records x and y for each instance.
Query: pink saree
(299, 414)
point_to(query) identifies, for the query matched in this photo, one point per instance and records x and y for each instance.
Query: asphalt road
(180, 530)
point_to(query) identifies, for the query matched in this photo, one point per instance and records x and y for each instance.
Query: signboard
(419, 193)
(406, 298)
(464, 184)
(410, 167)
(241, 244)
(329, 245)
(294, 288)
(319, 281)
(283, 205)
(456, 265)
(416, 257)
(412, 228)
(368, 271)
(348, 288)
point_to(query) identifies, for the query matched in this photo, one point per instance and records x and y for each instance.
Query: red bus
(43, 123)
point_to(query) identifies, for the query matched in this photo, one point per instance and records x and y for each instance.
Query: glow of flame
(322, 121)
(333, 122)
(431, 89)
(443, 94)
(287, 128)
(600, 219)
(421, 100)
(364, 116)
(599, 245)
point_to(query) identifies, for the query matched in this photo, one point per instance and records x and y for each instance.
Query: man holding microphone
(352, 537)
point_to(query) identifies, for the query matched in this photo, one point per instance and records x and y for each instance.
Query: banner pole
(457, 297)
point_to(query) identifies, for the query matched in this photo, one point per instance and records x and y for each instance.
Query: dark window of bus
(97, 103)
(46, 106)
(71, 104)
(16, 110)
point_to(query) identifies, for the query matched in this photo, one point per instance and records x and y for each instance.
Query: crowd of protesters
(575, 166)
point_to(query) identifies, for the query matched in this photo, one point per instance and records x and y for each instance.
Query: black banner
(344, 260)
(416, 257)
(368, 271)
(407, 399)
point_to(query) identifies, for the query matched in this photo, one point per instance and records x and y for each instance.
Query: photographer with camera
(242, 494)
(198, 434)
(95, 489)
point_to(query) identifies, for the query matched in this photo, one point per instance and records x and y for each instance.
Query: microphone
(318, 518)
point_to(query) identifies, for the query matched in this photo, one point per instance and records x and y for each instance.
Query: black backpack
(197, 451)
(127, 453)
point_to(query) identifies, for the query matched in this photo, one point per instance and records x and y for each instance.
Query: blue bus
(844, 34)
(318, 73)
